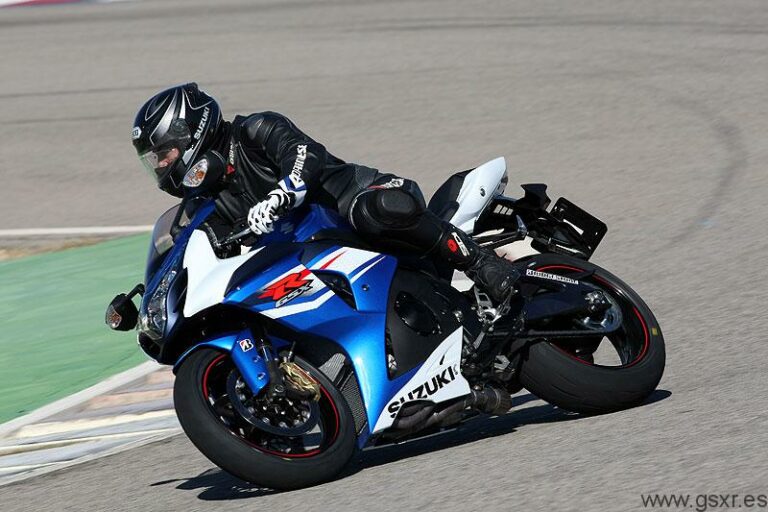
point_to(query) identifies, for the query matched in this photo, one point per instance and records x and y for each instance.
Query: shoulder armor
(257, 127)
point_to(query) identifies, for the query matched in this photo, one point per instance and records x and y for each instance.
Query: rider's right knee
(378, 210)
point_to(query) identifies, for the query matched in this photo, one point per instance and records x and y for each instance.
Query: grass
(53, 340)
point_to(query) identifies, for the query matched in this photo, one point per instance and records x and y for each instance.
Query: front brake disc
(280, 416)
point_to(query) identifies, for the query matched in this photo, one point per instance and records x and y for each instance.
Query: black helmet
(172, 129)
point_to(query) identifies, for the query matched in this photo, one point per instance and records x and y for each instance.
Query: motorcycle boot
(491, 273)
(397, 211)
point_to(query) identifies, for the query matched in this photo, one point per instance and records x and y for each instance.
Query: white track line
(56, 466)
(63, 427)
(80, 397)
(45, 445)
(10, 3)
(90, 230)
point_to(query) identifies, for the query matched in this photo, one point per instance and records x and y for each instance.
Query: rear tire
(236, 455)
(575, 384)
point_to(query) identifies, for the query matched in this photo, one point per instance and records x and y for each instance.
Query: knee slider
(379, 210)
(396, 206)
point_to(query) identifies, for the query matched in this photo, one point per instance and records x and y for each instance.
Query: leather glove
(262, 216)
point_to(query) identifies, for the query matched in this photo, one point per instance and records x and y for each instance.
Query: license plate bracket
(590, 229)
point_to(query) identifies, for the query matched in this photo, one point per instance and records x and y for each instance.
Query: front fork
(254, 356)
(268, 357)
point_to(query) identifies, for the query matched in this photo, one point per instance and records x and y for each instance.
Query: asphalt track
(650, 114)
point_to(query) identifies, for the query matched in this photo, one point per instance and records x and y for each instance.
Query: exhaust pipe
(488, 400)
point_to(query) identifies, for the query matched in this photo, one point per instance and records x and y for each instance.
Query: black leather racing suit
(264, 148)
(266, 151)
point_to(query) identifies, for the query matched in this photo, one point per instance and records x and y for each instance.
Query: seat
(463, 196)
(443, 203)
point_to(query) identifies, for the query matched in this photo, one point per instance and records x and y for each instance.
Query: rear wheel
(280, 443)
(594, 375)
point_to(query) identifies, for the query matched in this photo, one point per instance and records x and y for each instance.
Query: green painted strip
(53, 340)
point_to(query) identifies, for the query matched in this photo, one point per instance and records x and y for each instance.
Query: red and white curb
(122, 412)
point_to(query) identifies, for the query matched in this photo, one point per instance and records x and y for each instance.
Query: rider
(274, 167)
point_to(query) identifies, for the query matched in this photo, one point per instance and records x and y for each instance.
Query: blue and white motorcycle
(310, 344)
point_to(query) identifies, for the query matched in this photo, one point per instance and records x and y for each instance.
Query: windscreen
(162, 241)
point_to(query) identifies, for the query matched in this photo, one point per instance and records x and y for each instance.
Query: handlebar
(233, 237)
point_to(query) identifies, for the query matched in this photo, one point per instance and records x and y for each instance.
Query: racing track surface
(651, 114)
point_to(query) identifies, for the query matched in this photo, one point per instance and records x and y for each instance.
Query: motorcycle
(292, 354)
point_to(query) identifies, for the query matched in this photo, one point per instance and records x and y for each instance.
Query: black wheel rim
(630, 341)
(216, 387)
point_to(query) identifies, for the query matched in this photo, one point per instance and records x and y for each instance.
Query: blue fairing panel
(359, 331)
(281, 287)
(242, 347)
(276, 284)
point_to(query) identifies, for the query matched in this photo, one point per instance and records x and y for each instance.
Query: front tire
(231, 443)
(568, 378)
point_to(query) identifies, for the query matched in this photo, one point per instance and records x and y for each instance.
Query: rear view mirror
(122, 314)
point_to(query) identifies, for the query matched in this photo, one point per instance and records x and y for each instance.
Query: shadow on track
(217, 484)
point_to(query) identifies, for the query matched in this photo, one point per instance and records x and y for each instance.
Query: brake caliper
(300, 381)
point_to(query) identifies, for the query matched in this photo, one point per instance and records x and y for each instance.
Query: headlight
(154, 317)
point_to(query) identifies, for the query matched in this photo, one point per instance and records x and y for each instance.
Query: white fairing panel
(207, 275)
(439, 379)
(345, 261)
(478, 189)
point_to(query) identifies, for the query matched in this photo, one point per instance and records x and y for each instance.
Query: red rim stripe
(310, 453)
(207, 372)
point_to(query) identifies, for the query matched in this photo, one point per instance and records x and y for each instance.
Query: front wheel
(280, 443)
(595, 375)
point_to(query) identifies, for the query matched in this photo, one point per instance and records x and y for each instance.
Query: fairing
(279, 279)
(477, 190)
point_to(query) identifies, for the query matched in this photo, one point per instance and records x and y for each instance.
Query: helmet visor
(158, 162)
